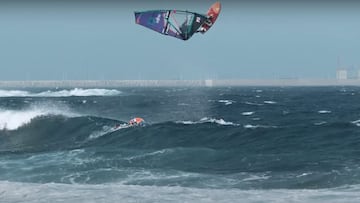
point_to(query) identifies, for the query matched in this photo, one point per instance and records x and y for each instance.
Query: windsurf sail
(175, 23)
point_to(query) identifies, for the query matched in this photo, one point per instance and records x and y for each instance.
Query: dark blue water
(218, 143)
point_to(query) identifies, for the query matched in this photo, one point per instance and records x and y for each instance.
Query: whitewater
(249, 144)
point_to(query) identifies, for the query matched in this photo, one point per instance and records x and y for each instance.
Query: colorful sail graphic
(175, 23)
(154, 20)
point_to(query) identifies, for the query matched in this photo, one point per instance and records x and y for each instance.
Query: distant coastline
(175, 83)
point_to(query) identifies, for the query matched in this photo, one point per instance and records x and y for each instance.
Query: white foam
(226, 102)
(249, 126)
(79, 193)
(187, 122)
(107, 130)
(208, 120)
(357, 122)
(13, 119)
(249, 113)
(270, 102)
(285, 112)
(256, 177)
(324, 111)
(303, 174)
(183, 104)
(255, 104)
(13, 93)
(79, 92)
(218, 121)
(149, 154)
(320, 123)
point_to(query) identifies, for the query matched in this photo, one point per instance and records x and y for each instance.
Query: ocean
(219, 144)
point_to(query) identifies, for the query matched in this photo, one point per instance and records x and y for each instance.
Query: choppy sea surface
(228, 144)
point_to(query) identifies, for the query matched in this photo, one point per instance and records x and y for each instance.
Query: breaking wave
(277, 148)
(13, 119)
(55, 192)
(78, 92)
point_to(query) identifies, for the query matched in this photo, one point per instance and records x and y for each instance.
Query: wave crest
(14, 119)
(78, 92)
(209, 120)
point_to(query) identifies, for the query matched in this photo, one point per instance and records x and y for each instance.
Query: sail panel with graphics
(175, 23)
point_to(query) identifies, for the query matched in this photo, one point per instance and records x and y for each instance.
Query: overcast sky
(47, 40)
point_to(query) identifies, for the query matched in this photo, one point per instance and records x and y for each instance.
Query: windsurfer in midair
(183, 30)
(208, 22)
